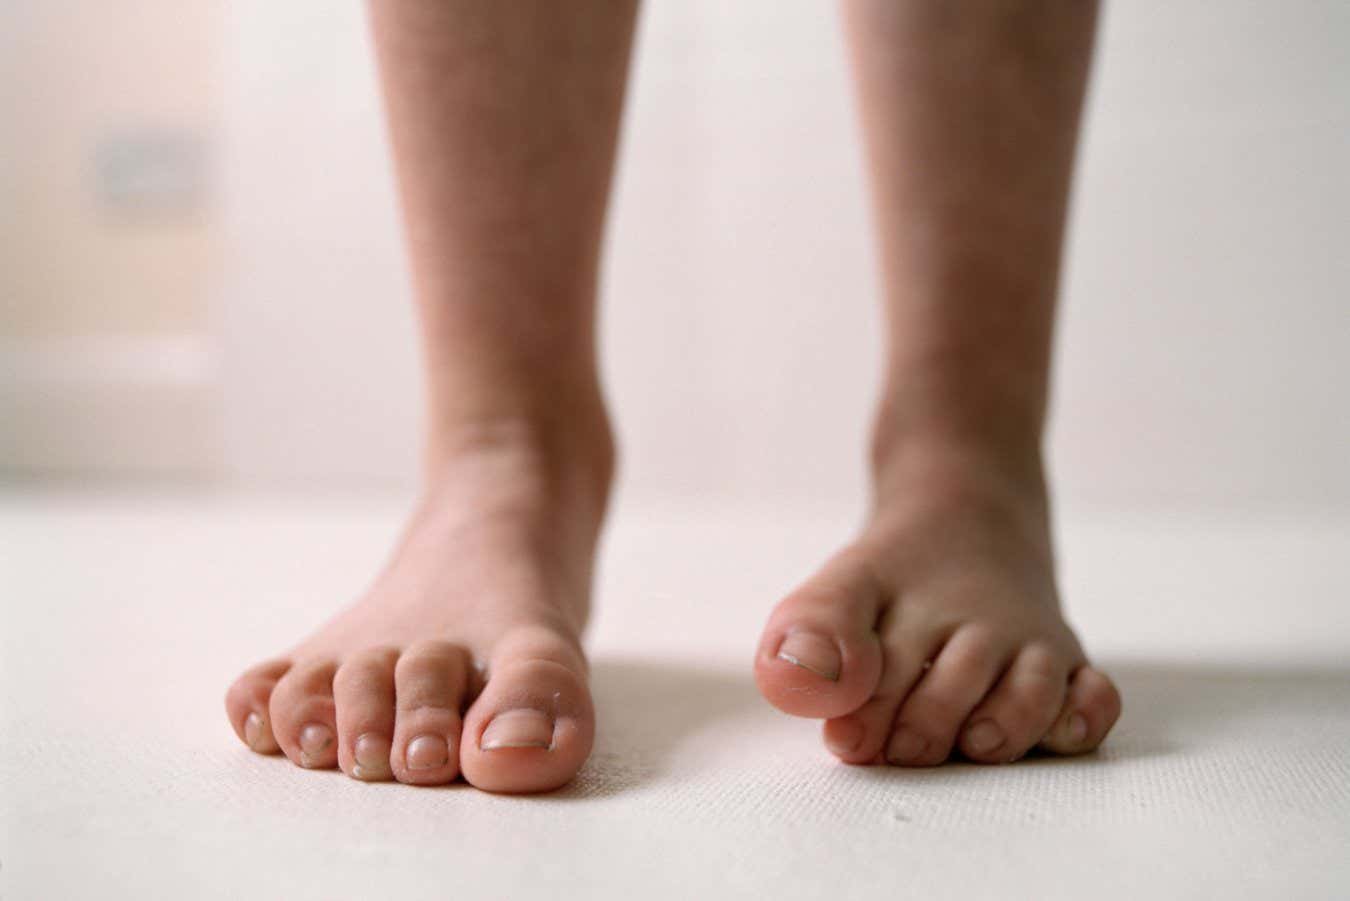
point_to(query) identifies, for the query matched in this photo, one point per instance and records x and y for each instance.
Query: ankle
(568, 455)
(927, 468)
(970, 412)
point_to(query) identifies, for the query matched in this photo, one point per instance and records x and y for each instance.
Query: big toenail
(427, 752)
(811, 652)
(906, 745)
(1078, 728)
(524, 728)
(984, 736)
(314, 740)
(253, 730)
(371, 753)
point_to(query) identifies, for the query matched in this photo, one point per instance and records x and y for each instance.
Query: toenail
(371, 753)
(906, 745)
(844, 736)
(811, 652)
(984, 737)
(1078, 728)
(253, 730)
(524, 728)
(427, 752)
(314, 740)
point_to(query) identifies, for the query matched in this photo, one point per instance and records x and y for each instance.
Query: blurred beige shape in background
(107, 237)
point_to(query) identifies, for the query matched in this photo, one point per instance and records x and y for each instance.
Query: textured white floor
(122, 621)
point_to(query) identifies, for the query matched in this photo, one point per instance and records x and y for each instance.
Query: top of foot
(937, 633)
(463, 658)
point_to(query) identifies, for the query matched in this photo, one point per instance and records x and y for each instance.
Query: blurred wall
(106, 236)
(1202, 350)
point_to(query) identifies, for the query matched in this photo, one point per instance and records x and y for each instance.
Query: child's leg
(504, 118)
(939, 628)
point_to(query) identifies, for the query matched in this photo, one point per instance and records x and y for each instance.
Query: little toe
(363, 690)
(533, 726)
(430, 680)
(1019, 710)
(1090, 710)
(927, 723)
(819, 655)
(303, 717)
(246, 705)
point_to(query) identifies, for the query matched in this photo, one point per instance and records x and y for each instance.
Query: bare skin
(464, 656)
(938, 630)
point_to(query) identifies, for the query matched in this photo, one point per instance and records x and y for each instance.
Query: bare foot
(464, 656)
(939, 630)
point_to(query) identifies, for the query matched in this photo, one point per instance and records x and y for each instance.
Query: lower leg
(970, 113)
(464, 655)
(944, 616)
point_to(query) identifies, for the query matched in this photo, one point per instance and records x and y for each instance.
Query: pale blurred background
(209, 408)
(201, 278)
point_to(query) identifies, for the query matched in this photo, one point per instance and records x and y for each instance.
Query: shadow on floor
(1168, 703)
(648, 709)
(1172, 707)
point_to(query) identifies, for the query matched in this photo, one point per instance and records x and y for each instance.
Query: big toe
(532, 727)
(819, 655)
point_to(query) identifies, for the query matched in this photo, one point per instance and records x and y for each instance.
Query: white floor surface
(123, 619)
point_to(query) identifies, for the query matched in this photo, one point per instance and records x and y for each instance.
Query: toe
(926, 725)
(819, 655)
(430, 681)
(303, 718)
(363, 690)
(1020, 709)
(246, 704)
(861, 736)
(1090, 710)
(532, 727)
